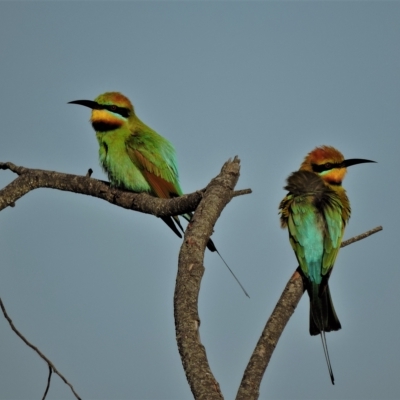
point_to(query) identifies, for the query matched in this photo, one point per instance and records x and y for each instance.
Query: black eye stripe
(124, 112)
(326, 167)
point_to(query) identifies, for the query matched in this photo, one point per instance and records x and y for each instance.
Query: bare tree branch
(30, 179)
(41, 355)
(250, 386)
(210, 202)
(241, 192)
(190, 271)
(361, 236)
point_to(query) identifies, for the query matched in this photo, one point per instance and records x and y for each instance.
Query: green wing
(155, 157)
(333, 238)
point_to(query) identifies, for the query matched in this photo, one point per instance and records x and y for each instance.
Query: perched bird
(134, 156)
(316, 211)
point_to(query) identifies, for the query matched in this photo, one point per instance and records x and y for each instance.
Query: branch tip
(89, 173)
(241, 192)
(12, 167)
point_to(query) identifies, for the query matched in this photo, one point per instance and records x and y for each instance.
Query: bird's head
(110, 111)
(329, 164)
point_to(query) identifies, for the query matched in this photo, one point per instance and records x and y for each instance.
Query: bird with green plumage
(316, 211)
(134, 156)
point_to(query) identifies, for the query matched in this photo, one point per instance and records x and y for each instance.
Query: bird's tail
(322, 313)
(173, 222)
(323, 317)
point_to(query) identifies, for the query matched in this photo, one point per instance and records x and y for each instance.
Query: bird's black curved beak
(354, 161)
(87, 103)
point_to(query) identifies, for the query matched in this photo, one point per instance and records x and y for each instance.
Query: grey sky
(92, 285)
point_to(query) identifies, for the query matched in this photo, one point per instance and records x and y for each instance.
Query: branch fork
(208, 204)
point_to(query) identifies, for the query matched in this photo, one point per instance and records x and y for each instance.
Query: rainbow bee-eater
(316, 211)
(134, 156)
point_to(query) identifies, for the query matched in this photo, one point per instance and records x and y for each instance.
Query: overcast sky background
(92, 284)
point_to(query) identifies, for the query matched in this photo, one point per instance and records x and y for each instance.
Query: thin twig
(12, 167)
(241, 192)
(362, 236)
(48, 383)
(49, 363)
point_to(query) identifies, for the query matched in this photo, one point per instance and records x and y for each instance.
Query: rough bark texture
(250, 385)
(30, 179)
(190, 271)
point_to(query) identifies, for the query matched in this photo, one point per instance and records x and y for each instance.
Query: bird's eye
(328, 165)
(113, 107)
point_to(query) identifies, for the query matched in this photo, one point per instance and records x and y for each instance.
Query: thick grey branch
(190, 272)
(250, 386)
(30, 179)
